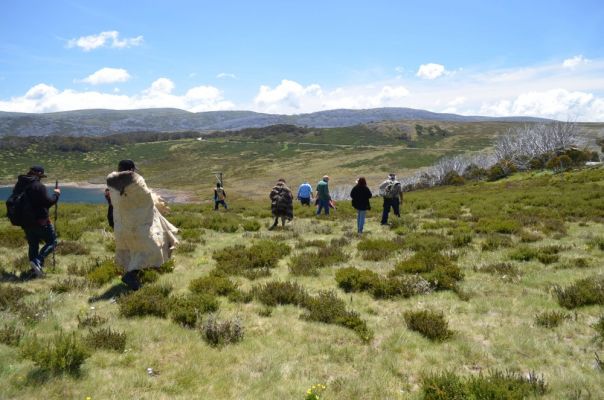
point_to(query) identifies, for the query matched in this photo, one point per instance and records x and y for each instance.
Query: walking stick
(54, 261)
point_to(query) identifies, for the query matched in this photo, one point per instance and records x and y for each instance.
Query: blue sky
(542, 58)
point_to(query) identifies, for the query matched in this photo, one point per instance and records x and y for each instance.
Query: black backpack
(19, 208)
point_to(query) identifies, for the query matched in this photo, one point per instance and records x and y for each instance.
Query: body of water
(68, 194)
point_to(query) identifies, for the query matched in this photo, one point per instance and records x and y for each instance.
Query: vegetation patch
(72, 247)
(599, 327)
(583, 292)
(12, 238)
(106, 339)
(63, 353)
(439, 270)
(90, 320)
(551, 319)
(310, 262)
(149, 300)
(10, 296)
(351, 279)
(251, 262)
(546, 255)
(496, 241)
(186, 309)
(429, 324)
(214, 284)
(102, 272)
(497, 225)
(69, 284)
(280, 293)
(493, 385)
(426, 242)
(378, 249)
(505, 270)
(354, 280)
(218, 333)
(10, 334)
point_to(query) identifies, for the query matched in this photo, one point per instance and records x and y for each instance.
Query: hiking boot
(130, 278)
(36, 268)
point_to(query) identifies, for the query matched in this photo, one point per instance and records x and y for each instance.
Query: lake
(68, 194)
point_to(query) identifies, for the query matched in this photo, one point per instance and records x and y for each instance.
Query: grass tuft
(429, 324)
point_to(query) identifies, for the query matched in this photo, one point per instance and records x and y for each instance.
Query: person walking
(281, 203)
(219, 197)
(392, 193)
(360, 195)
(143, 237)
(35, 218)
(323, 196)
(305, 194)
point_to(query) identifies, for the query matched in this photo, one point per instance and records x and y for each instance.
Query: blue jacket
(304, 191)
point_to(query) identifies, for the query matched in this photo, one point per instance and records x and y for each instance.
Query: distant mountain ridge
(100, 122)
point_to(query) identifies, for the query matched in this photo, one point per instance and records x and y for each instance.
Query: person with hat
(36, 219)
(323, 196)
(392, 193)
(143, 237)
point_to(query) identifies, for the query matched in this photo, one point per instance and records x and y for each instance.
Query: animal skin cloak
(143, 237)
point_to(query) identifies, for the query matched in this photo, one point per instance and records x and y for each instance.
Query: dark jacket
(38, 197)
(360, 197)
(282, 201)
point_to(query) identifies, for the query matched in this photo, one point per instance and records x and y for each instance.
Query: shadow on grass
(113, 292)
(14, 277)
(40, 376)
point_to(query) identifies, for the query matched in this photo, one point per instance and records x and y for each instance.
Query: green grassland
(494, 262)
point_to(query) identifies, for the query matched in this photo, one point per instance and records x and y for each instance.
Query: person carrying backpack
(27, 207)
(281, 203)
(219, 197)
(392, 193)
(360, 196)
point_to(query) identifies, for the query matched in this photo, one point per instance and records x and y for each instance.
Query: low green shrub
(434, 267)
(102, 272)
(400, 286)
(10, 334)
(213, 284)
(12, 238)
(280, 293)
(551, 319)
(309, 263)
(106, 339)
(221, 222)
(378, 249)
(186, 247)
(495, 241)
(429, 324)
(167, 267)
(218, 333)
(581, 293)
(497, 225)
(10, 296)
(352, 279)
(186, 309)
(546, 255)
(427, 242)
(494, 385)
(505, 270)
(69, 284)
(240, 296)
(90, 320)
(527, 236)
(311, 243)
(72, 247)
(326, 307)
(253, 261)
(63, 353)
(251, 225)
(148, 275)
(192, 235)
(461, 238)
(149, 300)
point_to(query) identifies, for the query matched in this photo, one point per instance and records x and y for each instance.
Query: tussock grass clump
(551, 319)
(72, 247)
(527, 236)
(429, 324)
(494, 385)
(599, 327)
(378, 249)
(32, 312)
(102, 272)
(214, 284)
(497, 225)
(596, 243)
(218, 333)
(309, 263)
(90, 320)
(186, 309)
(68, 284)
(106, 339)
(505, 270)
(251, 225)
(461, 237)
(434, 267)
(10, 296)
(546, 255)
(280, 293)
(352, 279)
(63, 353)
(186, 248)
(426, 242)
(11, 334)
(326, 307)
(149, 300)
(12, 238)
(228, 223)
(253, 261)
(583, 292)
(192, 235)
(311, 243)
(495, 241)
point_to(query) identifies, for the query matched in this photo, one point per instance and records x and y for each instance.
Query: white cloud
(104, 39)
(225, 75)
(107, 75)
(431, 71)
(47, 98)
(574, 62)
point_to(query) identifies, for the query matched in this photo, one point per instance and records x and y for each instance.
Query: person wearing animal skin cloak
(143, 237)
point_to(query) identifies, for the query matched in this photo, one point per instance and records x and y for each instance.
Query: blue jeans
(390, 203)
(323, 204)
(217, 202)
(361, 220)
(35, 235)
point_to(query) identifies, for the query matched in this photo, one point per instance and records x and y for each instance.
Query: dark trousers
(390, 203)
(283, 219)
(305, 201)
(35, 235)
(217, 202)
(323, 205)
